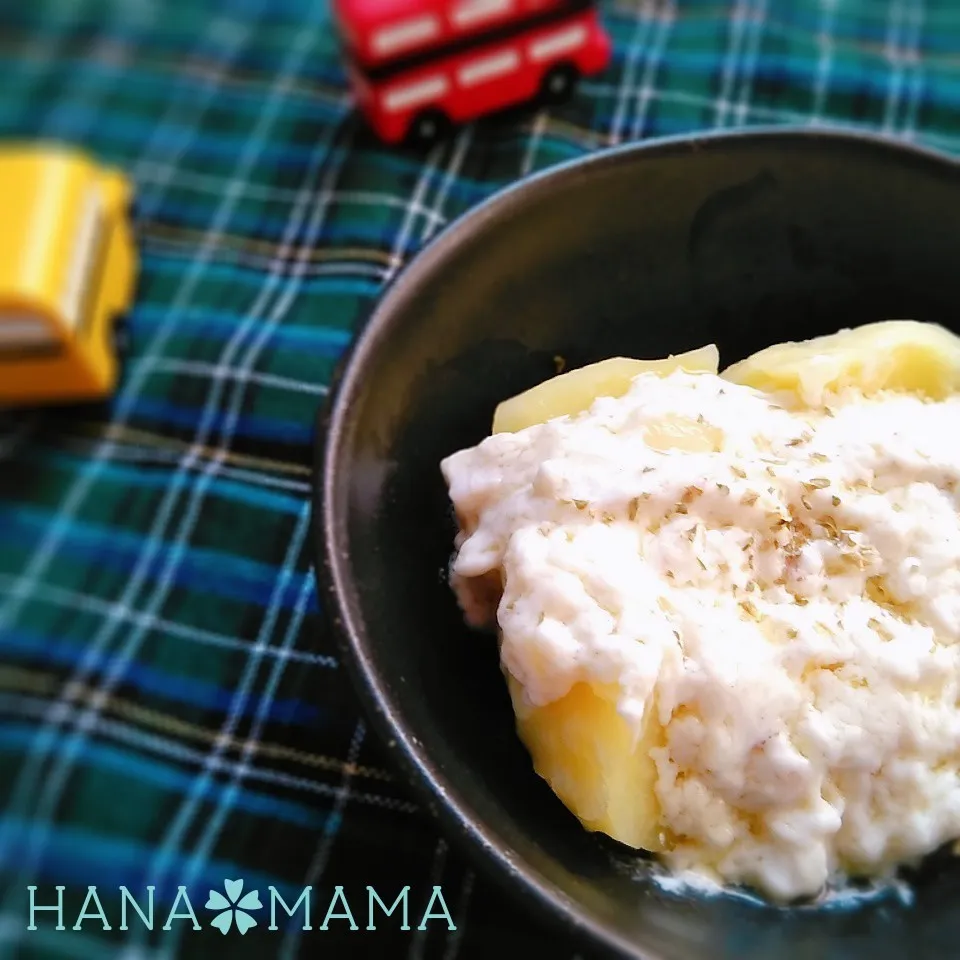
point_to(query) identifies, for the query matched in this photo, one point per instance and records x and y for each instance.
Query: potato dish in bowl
(728, 603)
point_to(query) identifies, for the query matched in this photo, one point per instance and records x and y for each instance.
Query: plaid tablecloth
(172, 709)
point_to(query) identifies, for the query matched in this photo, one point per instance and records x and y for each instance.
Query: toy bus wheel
(559, 83)
(429, 127)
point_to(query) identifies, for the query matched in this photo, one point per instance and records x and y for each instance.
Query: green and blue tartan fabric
(172, 708)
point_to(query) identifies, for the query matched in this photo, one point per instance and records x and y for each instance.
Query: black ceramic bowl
(742, 240)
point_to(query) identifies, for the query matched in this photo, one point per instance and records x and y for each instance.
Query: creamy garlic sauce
(786, 588)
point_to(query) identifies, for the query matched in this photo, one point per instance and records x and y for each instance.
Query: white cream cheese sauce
(787, 588)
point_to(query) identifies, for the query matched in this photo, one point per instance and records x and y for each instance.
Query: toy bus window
(414, 94)
(86, 258)
(404, 35)
(563, 41)
(24, 333)
(489, 68)
(469, 13)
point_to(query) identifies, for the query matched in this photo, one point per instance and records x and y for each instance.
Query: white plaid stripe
(228, 362)
(150, 744)
(191, 804)
(418, 200)
(48, 547)
(665, 18)
(458, 155)
(535, 136)
(187, 105)
(775, 116)
(821, 87)
(893, 51)
(407, 228)
(261, 329)
(338, 265)
(148, 455)
(188, 809)
(626, 85)
(27, 784)
(130, 451)
(316, 869)
(291, 942)
(723, 104)
(254, 321)
(86, 603)
(195, 368)
(748, 66)
(78, 492)
(419, 939)
(916, 14)
(153, 172)
(152, 79)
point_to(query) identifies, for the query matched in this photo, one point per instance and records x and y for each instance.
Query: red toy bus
(419, 66)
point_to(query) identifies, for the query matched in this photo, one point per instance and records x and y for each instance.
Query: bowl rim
(448, 806)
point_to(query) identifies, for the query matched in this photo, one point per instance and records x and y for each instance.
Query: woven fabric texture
(172, 708)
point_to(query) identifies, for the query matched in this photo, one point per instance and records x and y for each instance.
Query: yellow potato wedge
(572, 393)
(902, 355)
(586, 751)
(682, 433)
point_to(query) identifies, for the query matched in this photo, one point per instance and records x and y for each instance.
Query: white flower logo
(232, 908)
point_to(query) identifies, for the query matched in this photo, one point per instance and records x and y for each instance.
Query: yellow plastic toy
(68, 268)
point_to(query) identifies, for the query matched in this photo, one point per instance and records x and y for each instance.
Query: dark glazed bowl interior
(742, 240)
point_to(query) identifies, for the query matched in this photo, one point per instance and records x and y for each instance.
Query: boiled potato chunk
(580, 744)
(682, 433)
(902, 355)
(573, 392)
(586, 751)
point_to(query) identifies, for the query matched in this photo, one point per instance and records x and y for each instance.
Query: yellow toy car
(68, 268)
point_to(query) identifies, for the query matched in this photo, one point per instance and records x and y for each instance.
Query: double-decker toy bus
(68, 269)
(419, 66)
